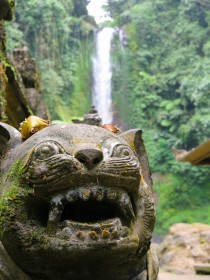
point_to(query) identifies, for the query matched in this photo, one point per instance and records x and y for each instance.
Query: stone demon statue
(75, 203)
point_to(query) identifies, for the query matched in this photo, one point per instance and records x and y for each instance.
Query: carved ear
(135, 141)
(9, 138)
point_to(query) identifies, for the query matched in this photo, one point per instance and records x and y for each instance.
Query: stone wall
(20, 90)
(184, 246)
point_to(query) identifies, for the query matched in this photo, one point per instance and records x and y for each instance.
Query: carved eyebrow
(109, 151)
(46, 143)
(111, 138)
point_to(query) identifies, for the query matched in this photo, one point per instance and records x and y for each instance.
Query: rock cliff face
(7, 9)
(185, 245)
(20, 92)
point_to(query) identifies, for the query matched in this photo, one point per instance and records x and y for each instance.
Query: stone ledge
(202, 268)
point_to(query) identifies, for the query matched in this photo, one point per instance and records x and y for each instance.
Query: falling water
(102, 74)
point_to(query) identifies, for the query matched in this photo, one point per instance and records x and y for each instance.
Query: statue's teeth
(105, 234)
(67, 232)
(98, 194)
(72, 196)
(125, 206)
(56, 201)
(54, 216)
(93, 235)
(85, 194)
(115, 234)
(80, 235)
(108, 230)
(111, 195)
(124, 231)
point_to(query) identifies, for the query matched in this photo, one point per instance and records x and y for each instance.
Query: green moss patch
(13, 199)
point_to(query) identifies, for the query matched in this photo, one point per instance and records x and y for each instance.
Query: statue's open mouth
(90, 213)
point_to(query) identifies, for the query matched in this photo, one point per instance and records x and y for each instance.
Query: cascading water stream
(102, 74)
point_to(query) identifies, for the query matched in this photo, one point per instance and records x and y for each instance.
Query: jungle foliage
(161, 82)
(163, 73)
(58, 35)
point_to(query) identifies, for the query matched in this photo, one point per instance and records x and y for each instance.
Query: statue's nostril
(97, 160)
(82, 159)
(89, 157)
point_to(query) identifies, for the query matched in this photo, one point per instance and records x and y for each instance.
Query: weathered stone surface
(26, 67)
(76, 203)
(2, 40)
(29, 73)
(3, 77)
(6, 9)
(91, 118)
(20, 93)
(185, 245)
(8, 268)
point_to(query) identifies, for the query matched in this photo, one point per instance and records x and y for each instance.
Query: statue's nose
(89, 157)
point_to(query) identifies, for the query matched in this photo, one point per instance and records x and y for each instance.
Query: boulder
(27, 68)
(183, 247)
(20, 91)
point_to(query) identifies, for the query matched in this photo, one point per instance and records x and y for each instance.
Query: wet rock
(185, 245)
(29, 73)
(20, 93)
(6, 9)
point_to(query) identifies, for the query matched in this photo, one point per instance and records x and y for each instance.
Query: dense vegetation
(58, 35)
(163, 73)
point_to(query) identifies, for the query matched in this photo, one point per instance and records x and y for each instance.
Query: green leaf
(165, 123)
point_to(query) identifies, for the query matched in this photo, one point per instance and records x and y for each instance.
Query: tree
(165, 70)
(56, 33)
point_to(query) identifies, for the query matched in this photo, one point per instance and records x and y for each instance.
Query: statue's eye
(46, 150)
(122, 151)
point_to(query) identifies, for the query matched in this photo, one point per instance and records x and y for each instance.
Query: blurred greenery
(181, 201)
(59, 34)
(161, 82)
(163, 73)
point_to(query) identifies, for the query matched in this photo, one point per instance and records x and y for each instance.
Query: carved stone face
(76, 203)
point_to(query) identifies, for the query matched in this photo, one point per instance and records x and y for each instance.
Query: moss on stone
(16, 171)
(12, 199)
(4, 65)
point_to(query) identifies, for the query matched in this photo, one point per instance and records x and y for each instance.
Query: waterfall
(102, 74)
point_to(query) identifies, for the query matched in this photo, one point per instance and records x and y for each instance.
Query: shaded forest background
(162, 72)
(59, 36)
